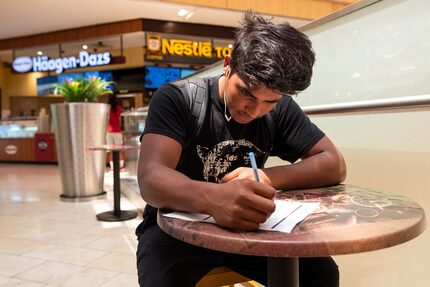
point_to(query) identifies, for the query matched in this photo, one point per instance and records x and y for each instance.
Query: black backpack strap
(271, 124)
(195, 91)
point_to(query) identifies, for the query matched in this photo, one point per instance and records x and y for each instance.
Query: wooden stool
(224, 276)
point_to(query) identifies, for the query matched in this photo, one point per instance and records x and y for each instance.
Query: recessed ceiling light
(189, 15)
(40, 53)
(84, 47)
(182, 12)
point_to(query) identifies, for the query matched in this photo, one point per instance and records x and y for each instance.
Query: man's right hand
(242, 204)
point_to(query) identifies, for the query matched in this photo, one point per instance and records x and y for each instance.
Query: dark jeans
(165, 261)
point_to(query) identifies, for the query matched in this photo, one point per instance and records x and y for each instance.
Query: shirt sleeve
(168, 114)
(295, 133)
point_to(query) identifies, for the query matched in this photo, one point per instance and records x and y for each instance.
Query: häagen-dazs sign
(44, 64)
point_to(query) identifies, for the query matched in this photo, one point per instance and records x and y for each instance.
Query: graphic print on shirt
(225, 157)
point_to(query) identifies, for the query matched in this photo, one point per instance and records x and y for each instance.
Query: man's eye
(246, 93)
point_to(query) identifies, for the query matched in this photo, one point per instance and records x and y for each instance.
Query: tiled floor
(48, 242)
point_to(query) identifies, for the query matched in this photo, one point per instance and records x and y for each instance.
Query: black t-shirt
(222, 146)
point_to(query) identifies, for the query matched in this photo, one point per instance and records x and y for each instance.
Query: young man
(210, 173)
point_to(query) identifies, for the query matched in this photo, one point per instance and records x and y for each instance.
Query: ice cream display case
(20, 141)
(17, 139)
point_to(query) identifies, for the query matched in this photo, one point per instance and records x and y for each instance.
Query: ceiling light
(189, 15)
(84, 47)
(40, 53)
(182, 12)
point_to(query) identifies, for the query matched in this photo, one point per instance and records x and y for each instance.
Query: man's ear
(227, 60)
(227, 71)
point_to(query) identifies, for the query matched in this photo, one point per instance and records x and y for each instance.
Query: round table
(350, 219)
(116, 214)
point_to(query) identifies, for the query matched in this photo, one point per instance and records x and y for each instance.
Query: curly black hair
(276, 55)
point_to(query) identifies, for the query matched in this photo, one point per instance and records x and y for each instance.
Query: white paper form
(190, 216)
(286, 216)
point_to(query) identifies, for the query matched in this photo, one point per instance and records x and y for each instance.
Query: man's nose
(253, 109)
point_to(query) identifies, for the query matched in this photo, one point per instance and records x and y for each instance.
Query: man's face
(246, 103)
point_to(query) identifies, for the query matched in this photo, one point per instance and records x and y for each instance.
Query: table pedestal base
(283, 271)
(112, 216)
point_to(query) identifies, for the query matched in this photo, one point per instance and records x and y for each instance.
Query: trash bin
(44, 147)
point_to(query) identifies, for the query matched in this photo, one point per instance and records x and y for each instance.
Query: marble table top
(350, 219)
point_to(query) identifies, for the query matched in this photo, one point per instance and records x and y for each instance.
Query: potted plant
(79, 123)
(83, 89)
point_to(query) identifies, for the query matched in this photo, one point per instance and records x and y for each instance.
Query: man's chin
(243, 120)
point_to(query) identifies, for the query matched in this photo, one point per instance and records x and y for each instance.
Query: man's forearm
(319, 170)
(163, 187)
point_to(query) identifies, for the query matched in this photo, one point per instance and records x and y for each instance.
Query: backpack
(196, 92)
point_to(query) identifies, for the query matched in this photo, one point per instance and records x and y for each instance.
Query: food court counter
(20, 142)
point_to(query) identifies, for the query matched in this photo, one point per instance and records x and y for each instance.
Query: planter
(78, 126)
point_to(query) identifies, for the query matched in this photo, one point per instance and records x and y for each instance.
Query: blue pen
(254, 166)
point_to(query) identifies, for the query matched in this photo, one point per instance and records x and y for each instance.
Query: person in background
(114, 132)
(210, 173)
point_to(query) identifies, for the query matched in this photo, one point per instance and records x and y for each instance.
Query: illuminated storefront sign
(45, 64)
(186, 48)
(159, 48)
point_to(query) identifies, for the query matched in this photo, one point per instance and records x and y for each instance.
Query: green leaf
(83, 89)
